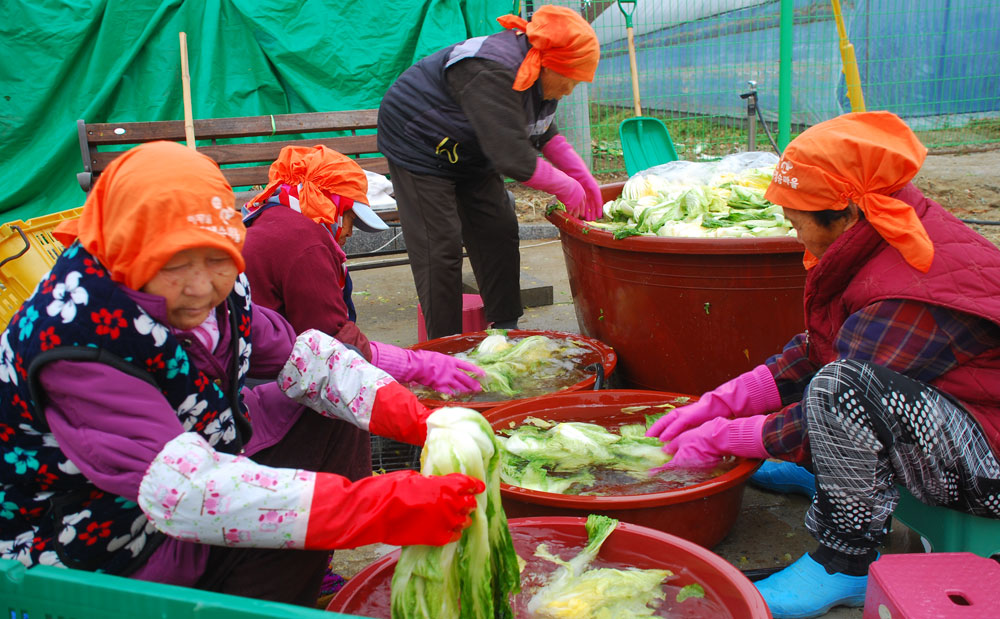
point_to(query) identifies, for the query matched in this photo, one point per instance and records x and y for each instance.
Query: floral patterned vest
(49, 512)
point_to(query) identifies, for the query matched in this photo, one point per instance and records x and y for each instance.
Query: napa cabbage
(692, 199)
(530, 453)
(577, 591)
(473, 577)
(506, 362)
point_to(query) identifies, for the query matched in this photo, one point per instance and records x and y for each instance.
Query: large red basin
(703, 512)
(369, 594)
(597, 352)
(684, 315)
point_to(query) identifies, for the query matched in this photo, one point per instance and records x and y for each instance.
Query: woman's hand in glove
(705, 446)
(750, 393)
(436, 370)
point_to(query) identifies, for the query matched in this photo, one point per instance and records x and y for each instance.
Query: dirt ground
(966, 184)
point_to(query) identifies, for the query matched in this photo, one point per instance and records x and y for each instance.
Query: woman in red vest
(894, 381)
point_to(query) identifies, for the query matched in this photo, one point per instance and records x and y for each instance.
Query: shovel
(645, 140)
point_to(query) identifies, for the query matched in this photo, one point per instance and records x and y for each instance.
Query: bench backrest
(243, 164)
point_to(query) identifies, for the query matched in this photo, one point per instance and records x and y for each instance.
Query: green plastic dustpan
(645, 143)
(645, 140)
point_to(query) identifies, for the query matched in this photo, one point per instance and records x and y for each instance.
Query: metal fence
(936, 63)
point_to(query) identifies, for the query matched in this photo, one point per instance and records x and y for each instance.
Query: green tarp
(119, 61)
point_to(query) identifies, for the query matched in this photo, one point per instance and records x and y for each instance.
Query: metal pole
(785, 73)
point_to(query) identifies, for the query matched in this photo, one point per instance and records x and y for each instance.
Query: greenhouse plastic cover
(119, 61)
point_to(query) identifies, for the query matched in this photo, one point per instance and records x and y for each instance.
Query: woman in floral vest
(895, 379)
(128, 443)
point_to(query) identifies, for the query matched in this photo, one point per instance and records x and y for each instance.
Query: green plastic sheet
(119, 61)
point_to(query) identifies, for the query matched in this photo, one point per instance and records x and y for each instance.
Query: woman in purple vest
(895, 379)
(128, 442)
(458, 121)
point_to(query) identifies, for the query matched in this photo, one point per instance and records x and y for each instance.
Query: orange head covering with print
(560, 40)
(861, 157)
(321, 171)
(151, 202)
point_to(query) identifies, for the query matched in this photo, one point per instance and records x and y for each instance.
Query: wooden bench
(246, 163)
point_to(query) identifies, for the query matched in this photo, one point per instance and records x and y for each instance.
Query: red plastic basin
(731, 594)
(597, 352)
(684, 315)
(702, 513)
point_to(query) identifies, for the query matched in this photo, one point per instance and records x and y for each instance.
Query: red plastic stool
(473, 316)
(941, 584)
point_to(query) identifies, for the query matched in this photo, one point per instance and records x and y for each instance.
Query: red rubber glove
(705, 446)
(570, 192)
(403, 508)
(750, 393)
(560, 152)
(427, 367)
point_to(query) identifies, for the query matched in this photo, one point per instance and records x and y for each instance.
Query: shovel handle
(634, 71)
(631, 52)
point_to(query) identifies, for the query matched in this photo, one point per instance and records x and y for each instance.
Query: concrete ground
(769, 531)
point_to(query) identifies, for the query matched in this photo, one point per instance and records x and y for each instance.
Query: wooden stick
(186, 81)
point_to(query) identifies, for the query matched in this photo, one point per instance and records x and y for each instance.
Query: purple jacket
(111, 425)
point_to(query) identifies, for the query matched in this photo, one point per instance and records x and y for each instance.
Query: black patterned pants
(869, 429)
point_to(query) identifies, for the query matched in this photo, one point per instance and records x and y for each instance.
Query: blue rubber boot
(787, 477)
(804, 589)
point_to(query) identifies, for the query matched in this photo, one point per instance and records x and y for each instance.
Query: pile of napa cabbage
(507, 362)
(722, 199)
(559, 457)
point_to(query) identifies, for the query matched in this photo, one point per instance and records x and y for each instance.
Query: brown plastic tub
(598, 353)
(728, 593)
(684, 315)
(703, 513)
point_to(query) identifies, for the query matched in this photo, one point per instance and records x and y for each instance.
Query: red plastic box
(948, 585)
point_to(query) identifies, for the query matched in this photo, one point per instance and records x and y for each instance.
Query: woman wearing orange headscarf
(129, 443)
(453, 125)
(895, 379)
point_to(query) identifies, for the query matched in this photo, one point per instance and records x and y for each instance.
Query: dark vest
(422, 129)
(860, 268)
(77, 313)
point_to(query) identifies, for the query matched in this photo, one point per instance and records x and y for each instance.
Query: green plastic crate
(57, 593)
(948, 530)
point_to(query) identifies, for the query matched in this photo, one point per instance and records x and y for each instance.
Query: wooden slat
(221, 128)
(257, 175)
(260, 152)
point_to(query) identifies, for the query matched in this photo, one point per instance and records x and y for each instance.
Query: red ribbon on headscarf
(321, 172)
(561, 40)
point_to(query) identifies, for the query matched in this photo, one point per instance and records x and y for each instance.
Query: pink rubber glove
(705, 446)
(436, 370)
(570, 192)
(750, 393)
(559, 151)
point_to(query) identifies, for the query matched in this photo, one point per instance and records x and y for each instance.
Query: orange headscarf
(560, 40)
(320, 171)
(860, 157)
(151, 202)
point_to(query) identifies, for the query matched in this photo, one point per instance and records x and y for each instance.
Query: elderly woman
(129, 443)
(458, 121)
(895, 379)
(296, 227)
